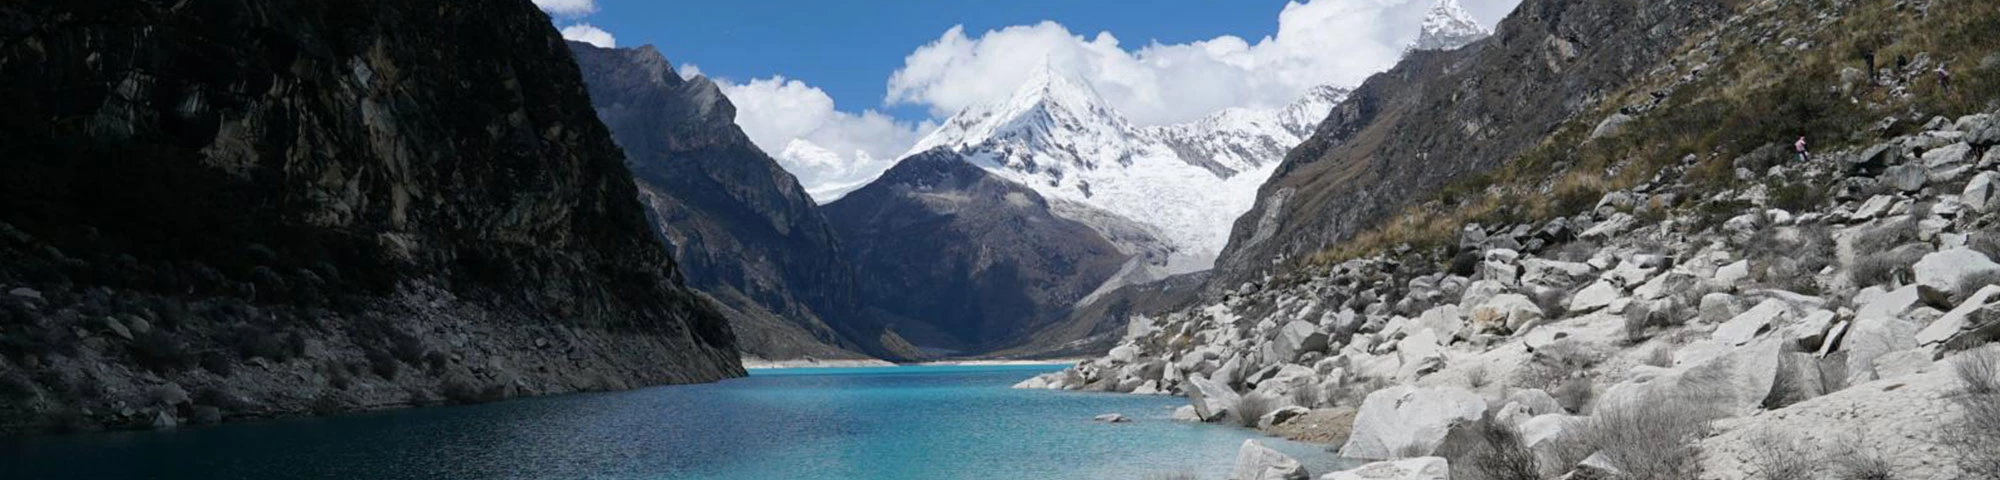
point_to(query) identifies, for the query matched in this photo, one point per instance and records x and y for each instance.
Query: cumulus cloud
(586, 33)
(567, 8)
(1319, 42)
(830, 151)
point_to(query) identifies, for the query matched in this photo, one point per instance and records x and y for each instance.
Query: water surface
(934, 422)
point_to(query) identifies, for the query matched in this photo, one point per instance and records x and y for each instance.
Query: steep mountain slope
(742, 228)
(1439, 116)
(966, 260)
(219, 210)
(1448, 26)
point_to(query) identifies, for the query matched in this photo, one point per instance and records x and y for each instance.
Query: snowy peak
(1053, 122)
(1449, 26)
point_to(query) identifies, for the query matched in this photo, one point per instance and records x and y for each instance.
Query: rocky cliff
(964, 261)
(221, 209)
(1442, 116)
(742, 228)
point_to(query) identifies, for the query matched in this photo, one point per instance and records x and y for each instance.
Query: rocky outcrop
(963, 261)
(743, 229)
(224, 210)
(1441, 116)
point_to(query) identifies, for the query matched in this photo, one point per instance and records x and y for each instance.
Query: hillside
(258, 209)
(1649, 284)
(743, 229)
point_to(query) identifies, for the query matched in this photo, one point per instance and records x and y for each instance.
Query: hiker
(1944, 78)
(1800, 147)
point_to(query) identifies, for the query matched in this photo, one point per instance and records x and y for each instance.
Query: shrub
(1783, 458)
(1254, 406)
(1798, 197)
(159, 351)
(1972, 283)
(1975, 438)
(1553, 302)
(1660, 356)
(1888, 267)
(1575, 395)
(1978, 371)
(1638, 317)
(383, 364)
(1857, 461)
(1478, 377)
(1650, 439)
(1308, 397)
(1556, 362)
(1497, 453)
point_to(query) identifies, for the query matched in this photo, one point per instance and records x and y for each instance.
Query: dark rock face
(1441, 116)
(742, 228)
(962, 260)
(293, 206)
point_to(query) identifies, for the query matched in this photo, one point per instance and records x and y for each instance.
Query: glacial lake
(928, 422)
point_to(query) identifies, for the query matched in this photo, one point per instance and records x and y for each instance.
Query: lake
(925, 422)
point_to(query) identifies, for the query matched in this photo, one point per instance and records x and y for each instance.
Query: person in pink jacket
(1800, 147)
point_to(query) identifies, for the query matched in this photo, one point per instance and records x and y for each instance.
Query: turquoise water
(861, 423)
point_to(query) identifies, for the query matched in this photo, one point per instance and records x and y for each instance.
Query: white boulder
(1943, 271)
(1399, 417)
(1254, 461)
(1420, 468)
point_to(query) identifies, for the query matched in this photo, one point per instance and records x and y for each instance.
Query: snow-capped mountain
(1449, 26)
(1185, 183)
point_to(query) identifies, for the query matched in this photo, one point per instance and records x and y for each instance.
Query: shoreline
(762, 364)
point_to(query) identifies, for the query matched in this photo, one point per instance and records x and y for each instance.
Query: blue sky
(837, 90)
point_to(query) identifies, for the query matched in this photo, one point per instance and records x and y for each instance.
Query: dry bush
(1478, 377)
(1649, 439)
(1496, 453)
(1855, 460)
(1308, 396)
(1972, 283)
(1638, 318)
(1781, 457)
(1886, 267)
(1554, 303)
(1575, 395)
(1557, 362)
(1660, 356)
(1254, 406)
(1975, 438)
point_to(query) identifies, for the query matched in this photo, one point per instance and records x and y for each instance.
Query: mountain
(1442, 116)
(228, 210)
(743, 229)
(1179, 184)
(1064, 202)
(965, 260)
(1447, 27)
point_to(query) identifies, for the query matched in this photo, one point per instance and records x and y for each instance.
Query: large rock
(1947, 155)
(1420, 468)
(1597, 295)
(1978, 194)
(1400, 417)
(1977, 310)
(1507, 311)
(1254, 461)
(1296, 338)
(1745, 326)
(1906, 177)
(1211, 400)
(1939, 274)
(1719, 307)
(1446, 320)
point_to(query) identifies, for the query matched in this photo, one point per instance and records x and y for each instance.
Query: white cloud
(586, 33)
(567, 8)
(688, 71)
(1317, 43)
(825, 148)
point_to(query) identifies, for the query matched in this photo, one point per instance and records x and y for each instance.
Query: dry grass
(1781, 457)
(1887, 268)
